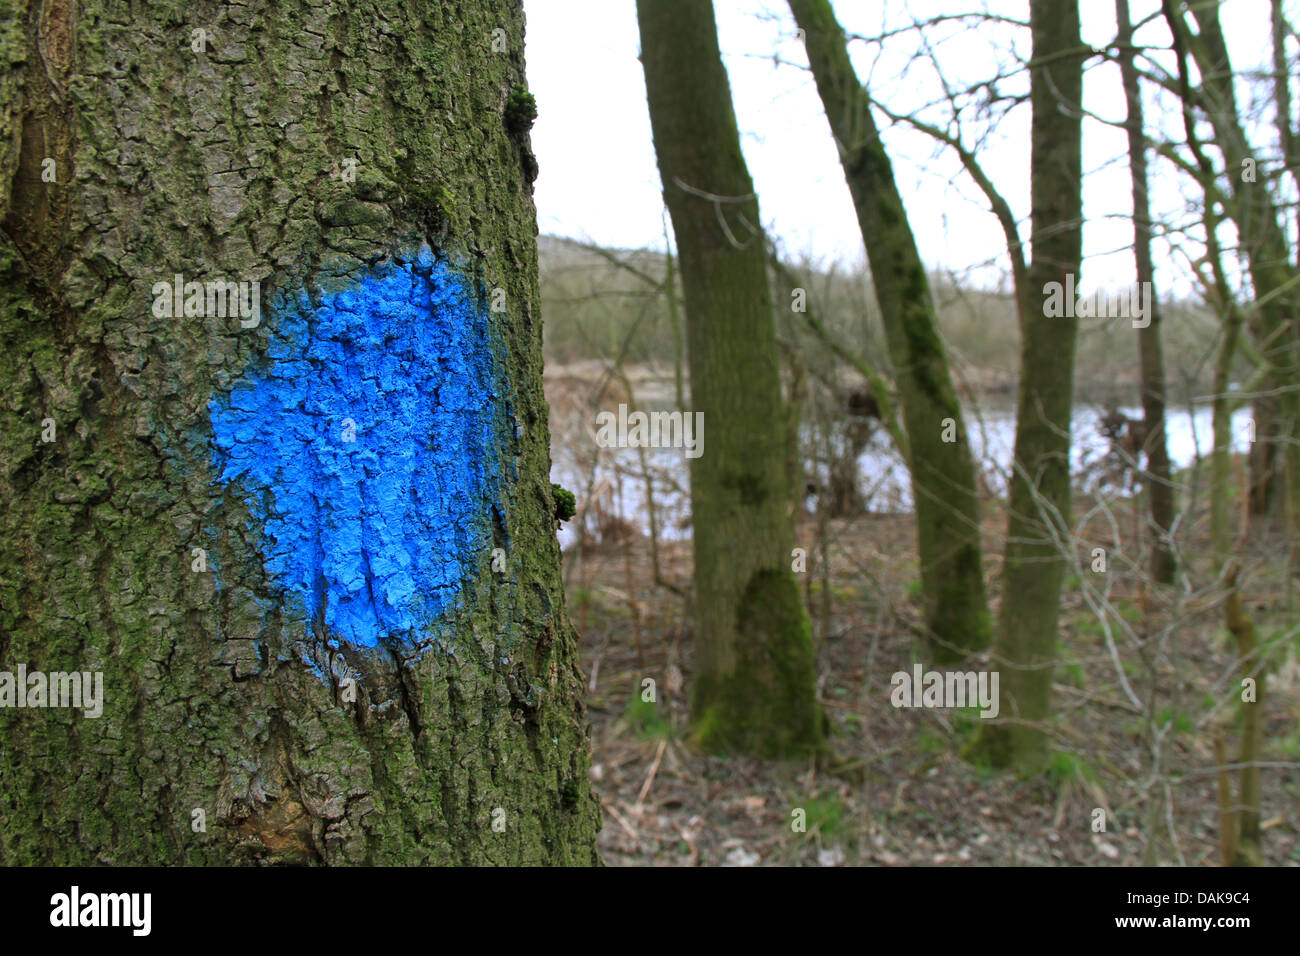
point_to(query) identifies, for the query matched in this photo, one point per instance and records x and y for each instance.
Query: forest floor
(897, 792)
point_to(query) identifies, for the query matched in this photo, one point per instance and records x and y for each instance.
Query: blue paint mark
(373, 535)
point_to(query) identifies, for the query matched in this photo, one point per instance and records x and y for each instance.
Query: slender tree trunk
(1221, 457)
(308, 543)
(1038, 525)
(1247, 849)
(1275, 455)
(1160, 489)
(1287, 139)
(1223, 404)
(1287, 136)
(755, 688)
(942, 470)
(1231, 316)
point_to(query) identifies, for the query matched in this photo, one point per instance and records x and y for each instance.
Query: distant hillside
(596, 309)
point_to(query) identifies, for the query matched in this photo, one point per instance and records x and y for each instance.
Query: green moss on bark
(767, 705)
(742, 520)
(942, 472)
(1039, 500)
(211, 699)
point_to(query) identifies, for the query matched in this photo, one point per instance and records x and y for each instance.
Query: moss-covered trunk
(1038, 524)
(754, 688)
(306, 539)
(942, 470)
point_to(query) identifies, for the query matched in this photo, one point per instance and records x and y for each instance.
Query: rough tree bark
(1038, 522)
(939, 457)
(755, 689)
(274, 532)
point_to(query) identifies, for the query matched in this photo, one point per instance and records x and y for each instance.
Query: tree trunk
(1221, 457)
(1222, 403)
(754, 688)
(309, 548)
(1038, 525)
(1158, 481)
(1275, 455)
(1246, 845)
(942, 470)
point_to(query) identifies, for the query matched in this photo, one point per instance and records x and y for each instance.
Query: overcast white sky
(599, 180)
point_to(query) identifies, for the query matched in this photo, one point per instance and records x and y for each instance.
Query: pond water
(620, 488)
